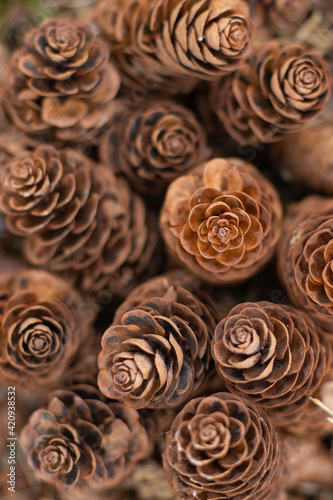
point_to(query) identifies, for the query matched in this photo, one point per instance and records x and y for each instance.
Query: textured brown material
(272, 355)
(61, 83)
(81, 440)
(222, 447)
(154, 144)
(282, 16)
(78, 218)
(222, 220)
(277, 91)
(157, 351)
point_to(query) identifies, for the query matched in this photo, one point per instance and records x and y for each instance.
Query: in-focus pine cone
(78, 219)
(222, 220)
(154, 144)
(222, 447)
(271, 355)
(61, 84)
(277, 91)
(81, 440)
(157, 351)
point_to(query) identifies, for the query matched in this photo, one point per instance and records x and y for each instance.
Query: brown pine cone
(61, 84)
(157, 351)
(80, 440)
(222, 447)
(222, 220)
(77, 218)
(154, 144)
(282, 16)
(277, 91)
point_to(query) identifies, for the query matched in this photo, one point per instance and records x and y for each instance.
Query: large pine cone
(61, 83)
(222, 220)
(77, 218)
(154, 144)
(277, 91)
(271, 355)
(82, 440)
(222, 447)
(157, 351)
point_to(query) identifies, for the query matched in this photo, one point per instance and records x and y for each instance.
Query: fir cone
(222, 220)
(80, 440)
(61, 84)
(154, 144)
(77, 218)
(222, 447)
(157, 351)
(277, 91)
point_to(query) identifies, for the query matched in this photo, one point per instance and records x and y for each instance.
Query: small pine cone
(222, 447)
(285, 16)
(276, 92)
(80, 440)
(154, 144)
(222, 220)
(61, 84)
(157, 351)
(77, 218)
(272, 355)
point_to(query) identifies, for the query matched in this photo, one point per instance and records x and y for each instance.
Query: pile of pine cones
(155, 155)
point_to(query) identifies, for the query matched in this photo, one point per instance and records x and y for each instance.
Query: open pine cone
(82, 440)
(157, 351)
(222, 447)
(61, 84)
(222, 220)
(78, 219)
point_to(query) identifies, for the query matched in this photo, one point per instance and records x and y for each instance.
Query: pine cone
(61, 84)
(277, 91)
(77, 218)
(222, 447)
(157, 351)
(81, 440)
(154, 144)
(285, 16)
(222, 220)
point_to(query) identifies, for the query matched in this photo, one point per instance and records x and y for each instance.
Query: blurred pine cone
(222, 447)
(77, 218)
(281, 16)
(222, 220)
(277, 91)
(157, 351)
(61, 84)
(154, 144)
(273, 356)
(82, 440)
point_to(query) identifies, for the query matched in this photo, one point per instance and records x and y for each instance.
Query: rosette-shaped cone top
(61, 83)
(276, 92)
(157, 351)
(222, 220)
(80, 440)
(222, 447)
(272, 355)
(40, 328)
(154, 144)
(77, 218)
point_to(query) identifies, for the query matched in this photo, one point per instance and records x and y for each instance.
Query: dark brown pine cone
(154, 144)
(80, 440)
(78, 219)
(157, 351)
(61, 84)
(277, 91)
(222, 447)
(222, 220)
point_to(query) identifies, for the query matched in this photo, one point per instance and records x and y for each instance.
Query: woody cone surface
(61, 84)
(157, 351)
(222, 447)
(222, 220)
(80, 440)
(77, 218)
(282, 16)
